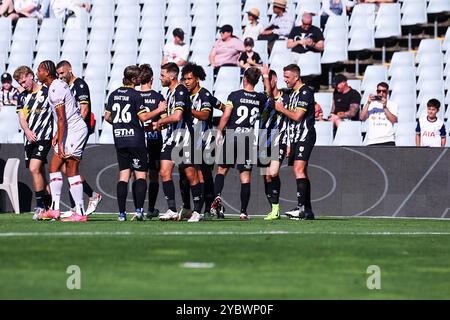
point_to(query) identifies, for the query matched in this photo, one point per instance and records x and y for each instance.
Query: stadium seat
(401, 59)
(228, 78)
(426, 47)
(362, 39)
(438, 6)
(355, 84)
(373, 76)
(324, 133)
(10, 182)
(335, 51)
(406, 114)
(348, 134)
(387, 22)
(414, 12)
(325, 99)
(404, 101)
(309, 64)
(445, 43)
(428, 74)
(432, 60)
(107, 135)
(312, 6)
(405, 134)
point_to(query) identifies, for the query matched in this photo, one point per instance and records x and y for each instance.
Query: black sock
(308, 205)
(72, 202)
(245, 196)
(208, 193)
(169, 192)
(40, 196)
(185, 190)
(153, 188)
(122, 191)
(267, 190)
(87, 189)
(48, 200)
(197, 197)
(140, 193)
(275, 187)
(218, 184)
(133, 192)
(302, 186)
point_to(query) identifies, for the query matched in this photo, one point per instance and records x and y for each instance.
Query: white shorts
(74, 143)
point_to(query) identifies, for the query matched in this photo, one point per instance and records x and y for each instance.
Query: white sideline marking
(198, 265)
(219, 233)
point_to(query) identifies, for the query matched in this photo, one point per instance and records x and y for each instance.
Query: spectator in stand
(430, 130)
(31, 8)
(226, 50)
(8, 94)
(249, 58)
(253, 28)
(176, 51)
(280, 24)
(381, 114)
(305, 38)
(346, 101)
(7, 10)
(66, 8)
(377, 1)
(318, 112)
(333, 8)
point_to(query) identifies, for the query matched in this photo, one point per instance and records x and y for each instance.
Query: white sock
(56, 183)
(76, 189)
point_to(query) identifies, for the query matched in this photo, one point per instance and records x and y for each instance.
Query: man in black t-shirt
(81, 93)
(305, 38)
(346, 101)
(126, 112)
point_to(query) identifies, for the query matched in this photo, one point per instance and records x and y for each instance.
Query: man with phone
(381, 115)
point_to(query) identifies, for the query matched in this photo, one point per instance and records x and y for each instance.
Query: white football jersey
(430, 132)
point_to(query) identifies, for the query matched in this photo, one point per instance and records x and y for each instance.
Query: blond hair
(22, 71)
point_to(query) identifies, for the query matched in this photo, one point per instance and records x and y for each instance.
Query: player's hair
(292, 68)
(383, 85)
(50, 67)
(63, 63)
(171, 67)
(131, 75)
(146, 74)
(252, 75)
(272, 73)
(196, 70)
(21, 72)
(434, 103)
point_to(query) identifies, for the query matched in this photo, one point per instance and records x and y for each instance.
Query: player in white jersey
(430, 130)
(68, 142)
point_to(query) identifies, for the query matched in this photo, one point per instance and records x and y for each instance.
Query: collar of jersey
(37, 90)
(299, 88)
(124, 86)
(193, 94)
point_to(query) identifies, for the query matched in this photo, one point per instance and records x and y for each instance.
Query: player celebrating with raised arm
(80, 91)
(302, 137)
(126, 112)
(241, 112)
(179, 133)
(68, 142)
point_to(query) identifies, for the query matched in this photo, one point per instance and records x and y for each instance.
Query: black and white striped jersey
(7, 97)
(273, 125)
(302, 99)
(37, 112)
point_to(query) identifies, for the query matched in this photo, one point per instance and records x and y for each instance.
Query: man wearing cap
(8, 94)
(346, 101)
(253, 28)
(226, 50)
(305, 38)
(176, 51)
(280, 25)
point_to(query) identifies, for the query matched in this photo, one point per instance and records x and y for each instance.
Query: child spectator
(8, 94)
(430, 130)
(254, 28)
(249, 58)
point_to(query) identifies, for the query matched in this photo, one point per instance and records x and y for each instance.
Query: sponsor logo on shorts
(136, 164)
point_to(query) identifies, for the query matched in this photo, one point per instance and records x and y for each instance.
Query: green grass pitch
(227, 259)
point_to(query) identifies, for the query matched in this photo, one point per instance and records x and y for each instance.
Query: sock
(185, 190)
(197, 197)
(76, 190)
(40, 198)
(302, 186)
(72, 202)
(275, 187)
(122, 191)
(48, 200)
(140, 192)
(169, 192)
(245, 196)
(153, 188)
(218, 184)
(267, 190)
(308, 205)
(87, 189)
(208, 193)
(56, 183)
(133, 192)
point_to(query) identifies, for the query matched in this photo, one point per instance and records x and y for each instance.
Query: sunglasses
(381, 91)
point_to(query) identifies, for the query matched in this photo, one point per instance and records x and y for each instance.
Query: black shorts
(37, 150)
(242, 158)
(265, 156)
(302, 150)
(132, 158)
(184, 157)
(154, 154)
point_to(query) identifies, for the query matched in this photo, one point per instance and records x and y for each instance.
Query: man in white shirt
(430, 130)
(176, 51)
(381, 114)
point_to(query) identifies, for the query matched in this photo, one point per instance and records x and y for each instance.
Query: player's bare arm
(174, 118)
(295, 115)
(202, 115)
(61, 124)
(31, 136)
(84, 107)
(108, 117)
(162, 107)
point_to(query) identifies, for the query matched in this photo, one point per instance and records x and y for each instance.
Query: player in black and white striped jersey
(36, 120)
